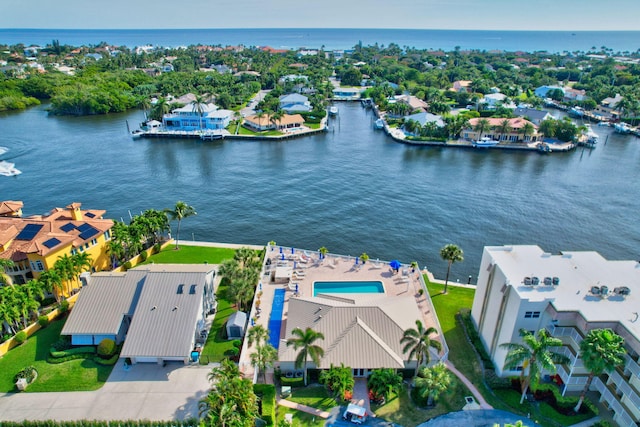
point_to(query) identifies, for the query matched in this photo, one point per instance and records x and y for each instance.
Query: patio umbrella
(292, 250)
(395, 264)
(294, 265)
(296, 288)
(260, 286)
(280, 249)
(282, 257)
(356, 260)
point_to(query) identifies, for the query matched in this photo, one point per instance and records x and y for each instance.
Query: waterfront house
(571, 94)
(288, 122)
(188, 118)
(11, 208)
(158, 310)
(347, 94)
(568, 294)
(533, 115)
(608, 107)
(461, 86)
(36, 242)
(424, 118)
(294, 103)
(415, 104)
(491, 101)
(542, 91)
(515, 133)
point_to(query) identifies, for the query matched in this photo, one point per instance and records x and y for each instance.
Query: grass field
(191, 255)
(75, 375)
(314, 396)
(217, 345)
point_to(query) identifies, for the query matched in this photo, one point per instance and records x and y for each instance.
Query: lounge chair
(292, 286)
(303, 258)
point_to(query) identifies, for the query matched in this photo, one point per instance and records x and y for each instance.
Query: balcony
(632, 366)
(609, 395)
(624, 387)
(565, 331)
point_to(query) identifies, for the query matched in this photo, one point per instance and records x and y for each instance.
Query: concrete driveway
(143, 392)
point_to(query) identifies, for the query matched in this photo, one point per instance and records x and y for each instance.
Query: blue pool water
(275, 318)
(347, 288)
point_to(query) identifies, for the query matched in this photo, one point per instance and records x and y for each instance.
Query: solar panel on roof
(84, 227)
(88, 233)
(67, 227)
(29, 231)
(90, 215)
(52, 242)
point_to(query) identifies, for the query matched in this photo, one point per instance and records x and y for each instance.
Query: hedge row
(267, 394)
(107, 362)
(54, 360)
(76, 350)
(293, 382)
(95, 423)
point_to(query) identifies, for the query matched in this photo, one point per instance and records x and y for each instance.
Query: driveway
(142, 392)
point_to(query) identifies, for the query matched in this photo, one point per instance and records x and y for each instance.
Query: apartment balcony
(632, 366)
(625, 388)
(610, 395)
(566, 332)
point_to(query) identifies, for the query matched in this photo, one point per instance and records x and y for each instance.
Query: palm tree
(258, 334)
(383, 382)
(304, 341)
(338, 379)
(198, 106)
(160, 108)
(275, 117)
(264, 356)
(432, 382)
(481, 127)
(417, 342)
(4, 264)
(81, 262)
(66, 269)
(535, 354)
(450, 253)
(527, 130)
(180, 211)
(601, 351)
(504, 128)
(52, 282)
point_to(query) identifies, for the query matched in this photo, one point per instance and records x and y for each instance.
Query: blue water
(337, 38)
(348, 287)
(275, 318)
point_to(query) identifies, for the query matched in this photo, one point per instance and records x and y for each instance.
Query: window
(37, 265)
(531, 314)
(94, 242)
(107, 235)
(81, 248)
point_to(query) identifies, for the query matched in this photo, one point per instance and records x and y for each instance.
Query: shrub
(20, 337)
(56, 361)
(233, 351)
(29, 373)
(293, 382)
(143, 256)
(127, 266)
(84, 350)
(64, 307)
(107, 362)
(267, 394)
(64, 343)
(43, 321)
(236, 343)
(157, 248)
(106, 348)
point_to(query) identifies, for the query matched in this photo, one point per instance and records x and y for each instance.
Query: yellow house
(36, 242)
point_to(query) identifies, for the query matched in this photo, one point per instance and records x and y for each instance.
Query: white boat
(591, 136)
(333, 110)
(8, 169)
(379, 124)
(576, 111)
(485, 142)
(3, 150)
(622, 128)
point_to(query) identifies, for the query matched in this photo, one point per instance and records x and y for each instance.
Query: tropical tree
(338, 379)
(4, 264)
(160, 108)
(264, 356)
(323, 251)
(527, 130)
(601, 351)
(482, 126)
(52, 282)
(179, 212)
(198, 106)
(275, 117)
(504, 128)
(432, 382)
(258, 335)
(82, 261)
(305, 342)
(383, 382)
(417, 343)
(66, 270)
(450, 253)
(533, 355)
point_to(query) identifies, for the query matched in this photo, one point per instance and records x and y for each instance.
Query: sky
(571, 15)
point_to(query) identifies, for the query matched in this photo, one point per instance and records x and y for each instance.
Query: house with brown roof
(11, 208)
(286, 123)
(34, 243)
(515, 133)
(461, 86)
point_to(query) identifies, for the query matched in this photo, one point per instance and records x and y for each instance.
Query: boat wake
(7, 168)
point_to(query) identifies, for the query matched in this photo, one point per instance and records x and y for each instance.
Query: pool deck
(305, 267)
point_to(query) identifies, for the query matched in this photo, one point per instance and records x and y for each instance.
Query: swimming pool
(275, 318)
(375, 287)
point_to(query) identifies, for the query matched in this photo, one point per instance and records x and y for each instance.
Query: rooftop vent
(153, 308)
(547, 281)
(180, 289)
(192, 289)
(175, 307)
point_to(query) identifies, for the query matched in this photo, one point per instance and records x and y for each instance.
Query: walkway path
(304, 408)
(361, 394)
(483, 403)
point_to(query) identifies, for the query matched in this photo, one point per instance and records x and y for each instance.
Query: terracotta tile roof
(516, 123)
(10, 207)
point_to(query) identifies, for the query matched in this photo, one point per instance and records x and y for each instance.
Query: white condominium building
(523, 287)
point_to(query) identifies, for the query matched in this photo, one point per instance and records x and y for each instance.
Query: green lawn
(75, 375)
(217, 345)
(244, 131)
(191, 255)
(312, 125)
(314, 396)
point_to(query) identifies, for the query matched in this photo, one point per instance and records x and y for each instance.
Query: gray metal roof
(364, 332)
(239, 318)
(164, 322)
(102, 304)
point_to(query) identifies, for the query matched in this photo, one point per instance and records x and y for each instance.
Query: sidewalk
(483, 403)
(308, 409)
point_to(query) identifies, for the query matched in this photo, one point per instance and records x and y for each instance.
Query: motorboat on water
(333, 110)
(8, 169)
(379, 124)
(576, 111)
(622, 128)
(485, 142)
(591, 136)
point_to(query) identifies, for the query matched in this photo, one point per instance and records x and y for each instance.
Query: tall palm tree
(534, 355)
(198, 106)
(275, 117)
(417, 342)
(304, 341)
(263, 357)
(601, 351)
(52, 282)
(432, 382)
(179, 212)
(504, 128)
(450, 253)
(258, 335)
(527, 130)
(160, 108)
(66, 269)
(482, 126)
(81, 262)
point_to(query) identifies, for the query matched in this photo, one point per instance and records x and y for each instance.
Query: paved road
(145, 391)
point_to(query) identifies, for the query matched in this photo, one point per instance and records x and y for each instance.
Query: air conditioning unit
(555, 281)
(547, 281)
(527, 281)
(595, 290)
(622, 290)
(535, 281)
(604, 290)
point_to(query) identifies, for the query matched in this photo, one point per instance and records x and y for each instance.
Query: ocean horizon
(556, 41)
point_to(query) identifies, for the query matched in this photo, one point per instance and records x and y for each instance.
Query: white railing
(625, 388)
(623, 417)
(565, 332)
(632, 366)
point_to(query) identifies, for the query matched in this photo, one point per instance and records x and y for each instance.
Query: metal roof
(164, 322)
(103, 303)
